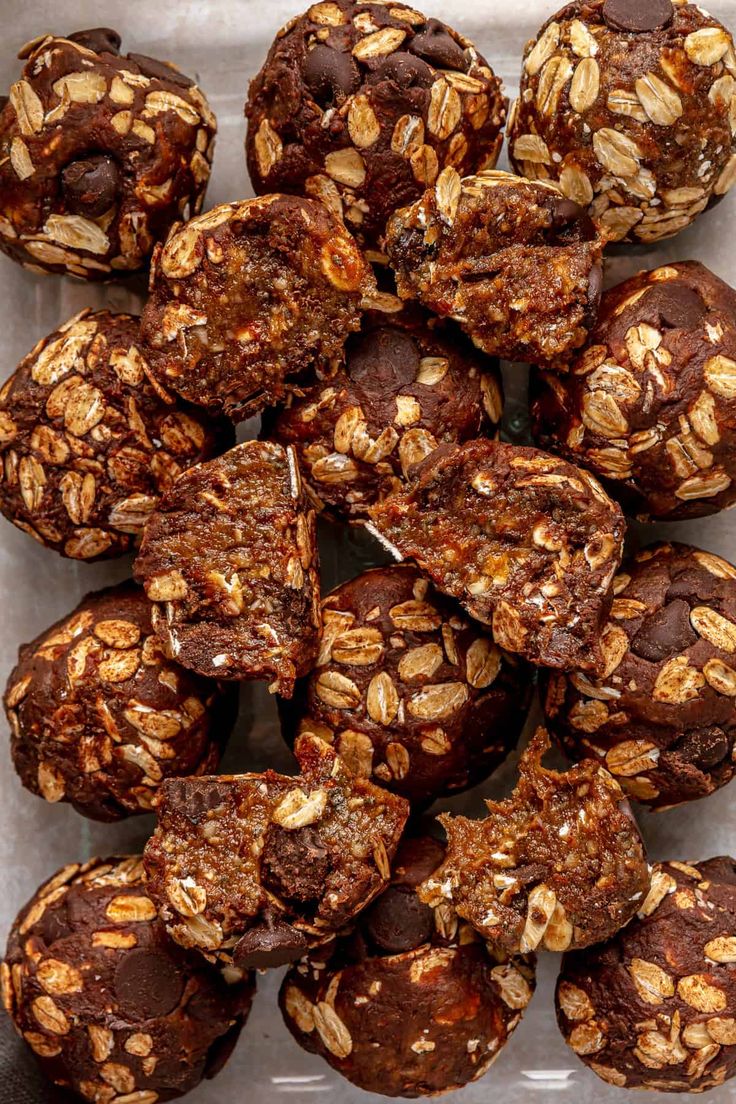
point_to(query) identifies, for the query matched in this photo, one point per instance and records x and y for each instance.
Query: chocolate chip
(295, 864)
(102, 40)
(398, 921)
(705, 747)
(195, 797)
(385, 357)
(679, 306)
(722, 868)
(271, 946)
(417, 858)
(637, 15)
(405, 71)
(148, 984)
(437, 46)
(666, 633)
(160, 70)
(91, 187)
(595, 285)
(330, 75)
(571, 222)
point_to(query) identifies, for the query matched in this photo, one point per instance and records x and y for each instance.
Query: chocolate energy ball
(558, 865)
(99, 716)
(363, 104)
(407, 384)
(650, 405)
(655, 1007)
(513, 261)
(248, 295)
(112, 1008)
(410, 692)
(88, 442)
(662, 717)
(230, 561)
(527, 543)
(629, 106)
(100, 153)
(411, 1002)
(256, 868)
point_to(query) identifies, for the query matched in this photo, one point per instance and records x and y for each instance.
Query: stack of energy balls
(359, 306)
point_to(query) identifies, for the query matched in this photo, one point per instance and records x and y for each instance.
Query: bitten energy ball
(511, 260)
(655, 1008)
(527, 543)
(408, 383)
(99, 717)
(248, 295)
(230, 562)
(412, 1002)
(256, 868)
(410, 692)
(629, 105)
(662, 717)
(88, 443)
(100, 153)
(362, 104)
(560, 864)
(112, 1008)
(650, 405)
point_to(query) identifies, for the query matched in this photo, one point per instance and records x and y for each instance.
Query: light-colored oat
(378, 44)
(585, 85)
(382, 699)
(652, 983)
(541, 904)
(298, 809)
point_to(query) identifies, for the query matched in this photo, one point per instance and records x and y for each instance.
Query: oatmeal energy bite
(513, 261)
(655, 1007)
(649, 406)
(113, 1010)
(362, 104)
(408, 383)
(409, 691)
(558, 865)
(247, 296)
(527, 543)
(88, 442)
(629, 105)
(100, 153)
(662, 716)
(230, 562)
(255, 869)
(99, 717)
(411, 1002)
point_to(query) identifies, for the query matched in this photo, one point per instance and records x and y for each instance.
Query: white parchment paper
(223, 43)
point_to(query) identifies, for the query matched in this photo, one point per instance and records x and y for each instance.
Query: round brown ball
(88, 443)
(655, 1007)
(100, 718)
(221, 340)
(407, 384)
(363, 104)
(100, 153)
(650, 405)
(663, 716)
(411, 1002)
(411, 693)
(110, 1006)
(628, 105)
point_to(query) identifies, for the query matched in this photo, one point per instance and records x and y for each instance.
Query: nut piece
(662, 718)
(263, 866)
(425, 705)
(88, 444)
(415, 982)
(558, 865)
(629, 108)
(657, 1009)
(649, 406)
(514, 262)
(100, 155)
(408, 384)
(219, 342)
(527, 543)
(230, 561)
(364, 104)
(103, 997)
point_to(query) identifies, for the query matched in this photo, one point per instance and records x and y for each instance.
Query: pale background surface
(222, 43)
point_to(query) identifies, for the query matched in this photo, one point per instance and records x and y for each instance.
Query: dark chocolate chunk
(398, 921)
(436, 45)
(295, 864)
(390, 353)
(271, 946)
(331, 75)
(405, 70)
(680, 307)
(92, 186)
(161, 70)
(637, 16)
(103, 40)
(665, 633)
(147, 984)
